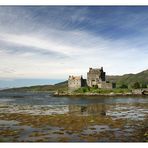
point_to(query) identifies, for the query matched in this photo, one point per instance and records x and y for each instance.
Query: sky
(46, 44)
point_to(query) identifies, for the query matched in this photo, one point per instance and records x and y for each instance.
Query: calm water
(101, 119)
(31, 98)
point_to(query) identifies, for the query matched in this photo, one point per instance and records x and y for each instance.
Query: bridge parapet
(145, 91)
(137, 91)
(140, 91)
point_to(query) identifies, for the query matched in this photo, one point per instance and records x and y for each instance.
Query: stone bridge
(143, 91)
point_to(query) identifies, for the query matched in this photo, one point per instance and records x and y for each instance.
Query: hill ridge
(128, 79)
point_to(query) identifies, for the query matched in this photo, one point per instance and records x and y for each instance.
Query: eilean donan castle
(95, 78)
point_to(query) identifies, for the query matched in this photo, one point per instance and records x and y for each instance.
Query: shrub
(143, 86)
(82, 90)
(123, 86)
(136, 85)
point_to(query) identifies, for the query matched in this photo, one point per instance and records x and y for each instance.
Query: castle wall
(95, 76)
(105, 85)
(76, 82)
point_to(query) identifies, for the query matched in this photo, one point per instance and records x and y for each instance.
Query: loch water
(80, 118)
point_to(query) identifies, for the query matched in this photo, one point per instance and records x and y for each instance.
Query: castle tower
(75, 82)
(95, 76)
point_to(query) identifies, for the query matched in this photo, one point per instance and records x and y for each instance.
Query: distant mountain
(61, 86)
(128, 79)
(62, 83)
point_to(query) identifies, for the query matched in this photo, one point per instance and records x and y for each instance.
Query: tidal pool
(40, 117)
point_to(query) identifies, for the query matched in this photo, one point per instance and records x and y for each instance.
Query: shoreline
(68, 94)
(97, 94)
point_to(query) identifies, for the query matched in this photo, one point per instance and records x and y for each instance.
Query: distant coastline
(124, 87)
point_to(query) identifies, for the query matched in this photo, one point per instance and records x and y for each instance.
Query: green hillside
(127, 79)
(60, 86)
(130, 79)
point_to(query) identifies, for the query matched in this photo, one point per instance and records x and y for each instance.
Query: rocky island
(97, 84)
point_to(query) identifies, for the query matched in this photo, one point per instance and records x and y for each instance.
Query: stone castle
(95, 78)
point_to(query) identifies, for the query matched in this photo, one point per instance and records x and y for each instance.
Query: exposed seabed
(74, 123)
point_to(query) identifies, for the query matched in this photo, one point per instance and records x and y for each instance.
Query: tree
(123, 86)
(84, 89)
(143, 85)
(136, 85)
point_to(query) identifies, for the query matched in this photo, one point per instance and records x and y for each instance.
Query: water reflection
(132, 111)
(87, 122)
(44, 98)
(135, 111)
(89, 109)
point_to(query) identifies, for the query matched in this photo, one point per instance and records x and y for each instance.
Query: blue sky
(43, 45)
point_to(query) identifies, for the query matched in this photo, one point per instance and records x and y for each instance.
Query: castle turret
(94, 76)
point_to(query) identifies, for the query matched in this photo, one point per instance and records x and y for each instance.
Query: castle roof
(95, 69)
(75, 77)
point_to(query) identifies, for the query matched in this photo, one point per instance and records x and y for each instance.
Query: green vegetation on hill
(60, 86)
(130, 79)
(101, 91)
(122, 82)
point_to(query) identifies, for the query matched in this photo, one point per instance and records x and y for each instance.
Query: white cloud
(37, 43)
(81, 49)
(99, 52)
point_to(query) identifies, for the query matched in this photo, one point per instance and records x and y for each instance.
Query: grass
(41, 88)
(101, 91)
